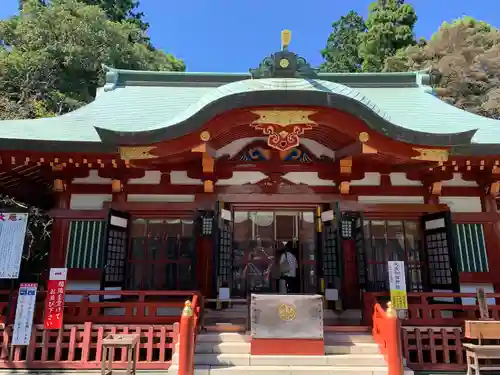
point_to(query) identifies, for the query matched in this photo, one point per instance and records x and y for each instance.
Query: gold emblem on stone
(287, 312)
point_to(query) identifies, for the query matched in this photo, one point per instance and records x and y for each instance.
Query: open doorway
(260, 239)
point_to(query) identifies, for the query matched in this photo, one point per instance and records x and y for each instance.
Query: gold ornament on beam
(435, 188)
(431, 154)
(59, 185)
(137, 153)
(283, 127)
(116, 186)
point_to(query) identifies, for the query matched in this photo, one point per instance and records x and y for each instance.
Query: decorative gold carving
(59, 186)
(494, 189)
(287, 312)
(346, 165)
(431, 154)
(284, 63)
(344, 187)
(363, 137)
(205, 136)
(116, 186)
(208, 186)
(283, 127)
(137, 153)
(435, 188)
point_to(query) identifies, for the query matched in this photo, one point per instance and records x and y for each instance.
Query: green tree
(389, 28)
(341, 52)
(51, 56)
(464, 61)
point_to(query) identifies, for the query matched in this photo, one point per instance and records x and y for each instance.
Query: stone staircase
(346, 352)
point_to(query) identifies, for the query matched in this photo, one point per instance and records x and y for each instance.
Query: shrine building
(172, 181)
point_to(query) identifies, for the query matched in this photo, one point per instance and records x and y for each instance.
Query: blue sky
(234, 35)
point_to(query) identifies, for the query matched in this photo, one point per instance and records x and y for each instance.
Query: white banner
(12, 234)
(24, 314)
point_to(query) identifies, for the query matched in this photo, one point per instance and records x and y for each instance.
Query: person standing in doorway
(288, 268)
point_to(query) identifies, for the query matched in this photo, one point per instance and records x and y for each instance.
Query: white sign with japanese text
(397, 284)
(24, 314)
(12, 233)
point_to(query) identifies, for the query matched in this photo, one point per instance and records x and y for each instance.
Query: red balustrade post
(186, 340)
(392, 334)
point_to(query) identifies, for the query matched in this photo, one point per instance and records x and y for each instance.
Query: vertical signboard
(24, 313)
(12, 233)
(397, 285)
(54, 303)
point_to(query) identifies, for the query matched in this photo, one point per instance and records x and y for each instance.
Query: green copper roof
(170, 104)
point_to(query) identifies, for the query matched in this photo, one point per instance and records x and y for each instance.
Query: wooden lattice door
(331, 257)
(115, 250)
(440, 251)
(224, 246)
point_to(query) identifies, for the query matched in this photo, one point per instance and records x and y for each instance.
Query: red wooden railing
(434, 309)
(79, 346)
(191, 320)
(386, 333)
(127, 306)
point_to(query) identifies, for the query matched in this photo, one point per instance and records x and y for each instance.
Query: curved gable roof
(154, 105)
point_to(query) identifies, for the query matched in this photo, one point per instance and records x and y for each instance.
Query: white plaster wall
(458, 181)
(462, 204)
(400, 179)
(472, 288)
(150, 177)
(307, 178)
(181, 178)
(88, 201)
(92, 178)
(160, 198)
(370, 179)
(389, 199)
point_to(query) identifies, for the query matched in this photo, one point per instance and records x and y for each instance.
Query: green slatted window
(84, 244)
(470, 248)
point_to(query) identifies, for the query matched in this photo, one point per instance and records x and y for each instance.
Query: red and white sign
(54, 303)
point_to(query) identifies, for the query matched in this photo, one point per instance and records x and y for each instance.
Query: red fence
(80, 347)
(434, 309)
(111, 307)
(433, 348)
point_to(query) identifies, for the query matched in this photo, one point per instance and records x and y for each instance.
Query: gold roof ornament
(286, 37)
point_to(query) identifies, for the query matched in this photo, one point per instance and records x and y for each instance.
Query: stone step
(347, 338)
(223, 348)
(214, 359)
(289, 370)
(217, 337)
(352, 348)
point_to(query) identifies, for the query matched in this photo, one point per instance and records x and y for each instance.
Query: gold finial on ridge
(286, 37)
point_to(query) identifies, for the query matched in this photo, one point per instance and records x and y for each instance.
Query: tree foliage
(341, 52)
(389, 28)
(464, 61)
(51, 56)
